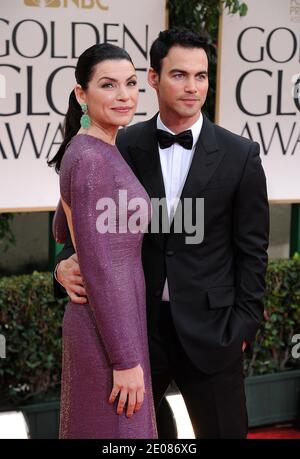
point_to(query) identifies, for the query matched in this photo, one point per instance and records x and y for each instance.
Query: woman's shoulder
(83, 147)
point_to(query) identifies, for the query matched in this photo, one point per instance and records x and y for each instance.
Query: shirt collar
(195, 128)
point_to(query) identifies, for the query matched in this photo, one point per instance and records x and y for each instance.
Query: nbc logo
(85, 4)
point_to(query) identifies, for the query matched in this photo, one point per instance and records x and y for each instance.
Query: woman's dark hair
(83, 75)
(177, 36)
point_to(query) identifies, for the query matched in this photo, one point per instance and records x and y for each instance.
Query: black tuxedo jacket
(216, 286)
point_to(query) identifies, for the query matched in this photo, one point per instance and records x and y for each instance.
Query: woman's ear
(153, 78)
(80, 94)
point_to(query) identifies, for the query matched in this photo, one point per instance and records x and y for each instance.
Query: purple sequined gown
(110, 332)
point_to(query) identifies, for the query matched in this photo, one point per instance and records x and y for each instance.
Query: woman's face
(112, 93)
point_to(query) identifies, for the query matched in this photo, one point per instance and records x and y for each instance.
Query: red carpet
(273, 432)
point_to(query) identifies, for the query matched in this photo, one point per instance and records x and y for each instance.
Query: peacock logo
(85, 4)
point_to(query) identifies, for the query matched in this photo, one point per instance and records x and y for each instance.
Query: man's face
(182, 85)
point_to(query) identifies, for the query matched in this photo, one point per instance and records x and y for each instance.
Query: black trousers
(216, 403)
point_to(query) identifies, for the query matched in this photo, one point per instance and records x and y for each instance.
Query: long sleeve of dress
(102, 259)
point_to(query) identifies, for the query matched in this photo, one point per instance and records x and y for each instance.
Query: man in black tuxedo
(204, 300)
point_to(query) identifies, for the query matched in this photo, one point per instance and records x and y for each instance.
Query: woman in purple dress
(106, 383)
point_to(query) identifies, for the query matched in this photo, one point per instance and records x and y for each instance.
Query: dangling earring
(85, 120)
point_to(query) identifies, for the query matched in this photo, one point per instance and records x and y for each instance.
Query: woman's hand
(69, 276)
(129, 385)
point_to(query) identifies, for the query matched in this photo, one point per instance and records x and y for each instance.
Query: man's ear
(80, 94)
(153, 78)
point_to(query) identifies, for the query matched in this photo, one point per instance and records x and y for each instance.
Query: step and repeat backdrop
(259, 88)
(40, 42)
(258, 83)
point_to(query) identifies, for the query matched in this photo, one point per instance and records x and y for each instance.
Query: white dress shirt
(175, 163)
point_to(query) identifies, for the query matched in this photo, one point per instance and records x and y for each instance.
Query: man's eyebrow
(203, 72)
(114, 80)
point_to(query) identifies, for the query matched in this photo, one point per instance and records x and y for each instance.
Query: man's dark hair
(177, 36)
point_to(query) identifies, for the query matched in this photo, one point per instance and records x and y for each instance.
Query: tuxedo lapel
(147, 162)
(207, 157)
(205, 161)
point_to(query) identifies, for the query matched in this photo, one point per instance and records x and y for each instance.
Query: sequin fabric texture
(110, 332)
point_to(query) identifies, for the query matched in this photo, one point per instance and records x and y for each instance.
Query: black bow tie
(166, 139)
